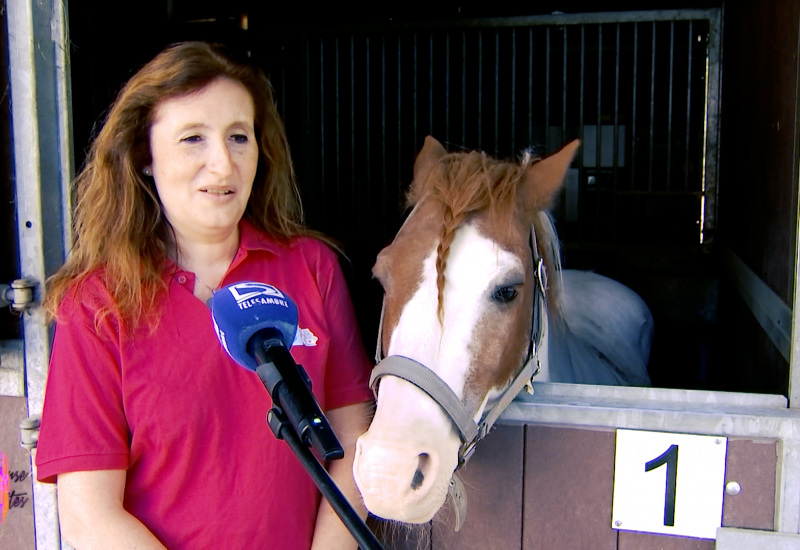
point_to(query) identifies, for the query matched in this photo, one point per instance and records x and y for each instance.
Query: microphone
(256, 324)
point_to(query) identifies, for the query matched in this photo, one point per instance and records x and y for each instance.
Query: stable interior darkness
(705, 337)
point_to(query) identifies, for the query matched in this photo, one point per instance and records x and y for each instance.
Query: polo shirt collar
(251, 238)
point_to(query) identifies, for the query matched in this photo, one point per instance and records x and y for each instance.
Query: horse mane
(468, 183)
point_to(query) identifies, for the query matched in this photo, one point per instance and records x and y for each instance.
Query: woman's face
(205, 154)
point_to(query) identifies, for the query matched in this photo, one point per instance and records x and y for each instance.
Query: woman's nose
(219, 158)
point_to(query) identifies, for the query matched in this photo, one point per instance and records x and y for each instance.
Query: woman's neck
(209, 260)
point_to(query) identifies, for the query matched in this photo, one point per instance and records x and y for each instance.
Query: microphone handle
(290, 389)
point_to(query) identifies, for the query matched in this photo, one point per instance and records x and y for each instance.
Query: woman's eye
(240, 138)
(192, 139)
(504, 294)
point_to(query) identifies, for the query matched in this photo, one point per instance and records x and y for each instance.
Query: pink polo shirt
(188, 423)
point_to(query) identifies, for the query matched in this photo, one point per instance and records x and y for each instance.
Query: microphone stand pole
(361, 533)
(291, 391)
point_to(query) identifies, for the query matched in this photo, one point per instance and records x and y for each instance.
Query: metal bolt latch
(29, 431)
(18, 295)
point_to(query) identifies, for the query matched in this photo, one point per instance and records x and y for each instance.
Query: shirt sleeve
(348, 367)
(83, 423)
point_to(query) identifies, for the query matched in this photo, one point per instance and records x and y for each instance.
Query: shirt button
(182, 279)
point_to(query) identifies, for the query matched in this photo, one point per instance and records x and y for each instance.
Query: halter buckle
(466, 450)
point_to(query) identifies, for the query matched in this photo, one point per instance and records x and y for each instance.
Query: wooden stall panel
(17, 530)
(546, 487)
(629, 540)
(569, 476)
(493, 482)
(752, 464)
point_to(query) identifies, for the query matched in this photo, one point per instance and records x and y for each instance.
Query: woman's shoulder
(89, 293)
(311, 245)
(319, 254)
(315, 244)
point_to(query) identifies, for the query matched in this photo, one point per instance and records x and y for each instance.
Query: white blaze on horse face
(475, 267)
(405, 461)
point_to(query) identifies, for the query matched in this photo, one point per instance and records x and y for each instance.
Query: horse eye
(504, 294)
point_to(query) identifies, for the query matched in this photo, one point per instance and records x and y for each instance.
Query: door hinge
(18, 295)
(29, 431)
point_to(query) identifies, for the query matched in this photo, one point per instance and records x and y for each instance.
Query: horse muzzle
(404, 463)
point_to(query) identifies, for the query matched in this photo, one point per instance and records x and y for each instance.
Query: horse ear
(543, 179)
(430, 154)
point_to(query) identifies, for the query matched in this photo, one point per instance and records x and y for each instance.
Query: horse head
(460, 287)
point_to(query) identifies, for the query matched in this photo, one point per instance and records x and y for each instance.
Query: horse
(475, 305)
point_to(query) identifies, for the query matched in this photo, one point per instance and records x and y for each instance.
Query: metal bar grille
(626, 84)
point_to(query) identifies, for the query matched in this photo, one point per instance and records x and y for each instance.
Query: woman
(155, 436)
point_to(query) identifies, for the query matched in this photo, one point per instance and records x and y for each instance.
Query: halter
(428, 381)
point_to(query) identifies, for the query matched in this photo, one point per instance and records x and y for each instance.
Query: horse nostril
(419, 476)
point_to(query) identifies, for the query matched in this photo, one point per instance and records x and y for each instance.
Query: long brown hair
(119, 224)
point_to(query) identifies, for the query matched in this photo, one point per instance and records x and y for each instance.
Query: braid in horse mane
(464, 184)
(451, 221)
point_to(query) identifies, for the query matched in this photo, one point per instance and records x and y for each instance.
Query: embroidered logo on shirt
(304, 337)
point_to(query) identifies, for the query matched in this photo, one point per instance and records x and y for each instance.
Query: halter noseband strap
(429, 382)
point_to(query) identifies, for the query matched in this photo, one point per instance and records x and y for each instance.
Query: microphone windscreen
(242, 309)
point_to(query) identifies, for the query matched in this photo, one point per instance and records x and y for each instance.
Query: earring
(147, 171)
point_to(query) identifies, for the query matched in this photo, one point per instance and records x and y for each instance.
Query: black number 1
(670, 458)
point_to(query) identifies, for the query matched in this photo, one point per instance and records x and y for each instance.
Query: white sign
(668, 483)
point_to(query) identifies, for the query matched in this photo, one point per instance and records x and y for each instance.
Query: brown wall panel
(493, 482)
(558, 495)
(569, 476)
(17, 531)
(629, 540)
(752, 464)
